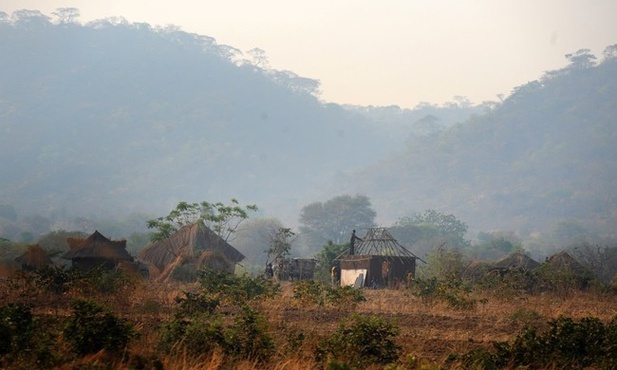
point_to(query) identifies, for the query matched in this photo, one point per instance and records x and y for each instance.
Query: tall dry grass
(429, 333)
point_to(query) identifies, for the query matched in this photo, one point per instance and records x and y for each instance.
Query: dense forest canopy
(110, 118)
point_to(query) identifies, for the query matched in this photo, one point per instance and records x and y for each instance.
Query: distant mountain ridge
(112, 117)
(547, 154)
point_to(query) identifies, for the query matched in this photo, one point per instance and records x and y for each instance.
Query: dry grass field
(428, 332)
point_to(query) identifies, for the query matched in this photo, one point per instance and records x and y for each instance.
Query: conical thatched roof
(97, 246)
(190, 242)
(475, 270)
(379, 242)
(34, 257)
(517, 260)
(74, 243)
(564, 261)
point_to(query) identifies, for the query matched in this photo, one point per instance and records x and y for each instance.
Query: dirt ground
(435, 331)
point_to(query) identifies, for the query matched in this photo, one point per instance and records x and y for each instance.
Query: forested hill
(111, 117)
(126, 115)
(545, 156)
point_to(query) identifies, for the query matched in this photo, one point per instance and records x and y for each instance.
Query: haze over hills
(546, 155)
(109, 118)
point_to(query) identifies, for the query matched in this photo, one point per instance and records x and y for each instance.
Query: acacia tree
(334, 219)
(221, 218)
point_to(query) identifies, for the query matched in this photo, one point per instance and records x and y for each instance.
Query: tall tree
(279, 242)
(66, 15)
(325, 259)
(334, 219)
(436, 228)
(221, 218)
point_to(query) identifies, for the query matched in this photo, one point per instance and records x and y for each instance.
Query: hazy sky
(385, 52)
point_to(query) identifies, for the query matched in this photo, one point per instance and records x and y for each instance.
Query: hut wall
(402, 267)
(352, 267)
(376, 273)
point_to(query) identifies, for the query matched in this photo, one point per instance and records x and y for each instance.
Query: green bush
(361, 341)
(195, 336)
(248, 338)
(91, 329)
(100, 280)
(566, 344)
(57, 279)
(197, 329)
(236, 289)
(22, 339)
(195, 304)
(188, 272)
(310, 292)
(454, 292)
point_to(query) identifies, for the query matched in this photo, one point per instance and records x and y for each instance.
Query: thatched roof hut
(96, 251)
(194, 243)
(379, 260)
(564, 266)
(34, 258)
(517, 260)
(475, 270)
(565, 262)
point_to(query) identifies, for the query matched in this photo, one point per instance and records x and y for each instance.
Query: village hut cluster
(193, 244)
(376, 260)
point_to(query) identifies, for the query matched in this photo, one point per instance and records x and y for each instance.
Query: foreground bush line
(229, 321)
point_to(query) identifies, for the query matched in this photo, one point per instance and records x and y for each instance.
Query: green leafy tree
(581, 59)
(444, 264)
(434, 228)
(221, 218)
(494, 245)
(325, 259)
(55, 241)
(66, 15)
(334, 219)
(280, 241)
(262, 240)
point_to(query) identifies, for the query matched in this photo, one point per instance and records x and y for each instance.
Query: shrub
(248, 338)
(361, 341)
(91, 329)
(198, 329)
(105, 281)
(566, 344)
(196, 303)
(236, 289)
(195, 336)
(57, 279)
(527, 317)
(310, 292)
(188, 272)
(453, 292)
(22, 338)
